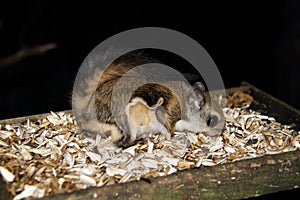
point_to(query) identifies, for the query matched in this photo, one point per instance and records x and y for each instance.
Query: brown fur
(105, 122)
(149, 92)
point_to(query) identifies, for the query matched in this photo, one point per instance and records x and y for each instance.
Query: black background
(254, 41)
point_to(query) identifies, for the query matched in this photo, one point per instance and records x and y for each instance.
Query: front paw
(166, 133)
(123, 141)
(180, 126)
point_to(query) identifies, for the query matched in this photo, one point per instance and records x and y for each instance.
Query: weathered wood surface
(236, 180)
(25, 118)
(272, 106)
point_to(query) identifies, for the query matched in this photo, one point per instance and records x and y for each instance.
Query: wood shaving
(46, 157)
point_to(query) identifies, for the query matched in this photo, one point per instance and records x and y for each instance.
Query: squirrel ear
(159, 102)
(199, 86)
(196, 99)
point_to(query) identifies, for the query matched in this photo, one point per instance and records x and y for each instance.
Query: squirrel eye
(212, 120)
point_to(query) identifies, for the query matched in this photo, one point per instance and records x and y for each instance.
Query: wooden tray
(235, 180)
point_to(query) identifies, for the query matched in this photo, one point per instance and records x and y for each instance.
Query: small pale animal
(152, 108)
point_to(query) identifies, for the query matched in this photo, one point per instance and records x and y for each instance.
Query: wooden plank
(235, 180)
(242, 179)
(25, 118)
(272, 106)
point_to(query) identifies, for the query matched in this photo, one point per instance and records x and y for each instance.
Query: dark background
(255, 42)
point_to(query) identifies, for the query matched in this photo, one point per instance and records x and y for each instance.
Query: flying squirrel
(152, 108)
